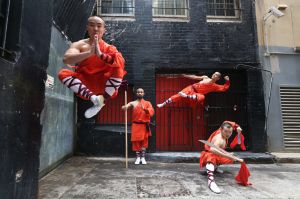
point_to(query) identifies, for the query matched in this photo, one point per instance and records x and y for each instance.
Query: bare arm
(224, 87)
(127, 106)
(193, 77)
(224, 153)
(74, 56)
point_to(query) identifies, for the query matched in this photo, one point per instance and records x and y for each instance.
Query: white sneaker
(213, 187)
(160, 105)
(182, 94)
(98, 105)
(143, 160)
(138, 160)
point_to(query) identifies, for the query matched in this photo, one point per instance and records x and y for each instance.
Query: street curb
(190, 157)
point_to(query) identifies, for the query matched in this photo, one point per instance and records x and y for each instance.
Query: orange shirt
(211, 87)
(94, 65)
(142, 115)
(140, 121)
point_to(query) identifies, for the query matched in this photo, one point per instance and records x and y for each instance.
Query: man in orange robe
(100, 67)
(142, 111)
(212, 157)
(195, 93)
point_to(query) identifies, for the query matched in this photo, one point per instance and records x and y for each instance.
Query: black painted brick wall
(151, 47)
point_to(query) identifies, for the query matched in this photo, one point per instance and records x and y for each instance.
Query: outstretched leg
(197, 97)
(188, 93)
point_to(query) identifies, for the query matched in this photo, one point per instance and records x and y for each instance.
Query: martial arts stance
(195, 93)
(100, 67)
(212, 157)
(141, 113)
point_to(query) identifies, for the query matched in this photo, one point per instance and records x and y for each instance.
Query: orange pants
(207, 157)
(94, 82)
(189, 90)
(138, 145)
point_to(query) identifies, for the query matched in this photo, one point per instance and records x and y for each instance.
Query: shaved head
(216, 76)
(140, 93)
(95, 26)
(96, 19)
(139, 89)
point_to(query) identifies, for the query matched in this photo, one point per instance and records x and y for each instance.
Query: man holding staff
(142, 111)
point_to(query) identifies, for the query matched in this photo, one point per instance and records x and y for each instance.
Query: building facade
(278, 32)
(161, 39)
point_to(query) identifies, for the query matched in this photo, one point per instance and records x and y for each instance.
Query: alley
(97, 178)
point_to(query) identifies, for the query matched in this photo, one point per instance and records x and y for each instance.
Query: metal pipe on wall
(5, 27)
(270, 91)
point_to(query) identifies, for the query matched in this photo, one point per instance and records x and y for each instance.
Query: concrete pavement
(97, 178)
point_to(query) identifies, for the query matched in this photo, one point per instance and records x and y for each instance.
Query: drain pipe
(5, 28)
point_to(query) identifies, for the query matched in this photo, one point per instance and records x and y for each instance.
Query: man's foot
(143, 160)
(138, 160)
(160, 105)
(98, 102)
(213, 187)
(182, 94)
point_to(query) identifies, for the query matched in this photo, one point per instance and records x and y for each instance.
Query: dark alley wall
(58, 116)
(59, 113)
(22, 99)
(34, 42)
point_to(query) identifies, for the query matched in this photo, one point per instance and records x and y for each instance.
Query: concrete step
(193, 157)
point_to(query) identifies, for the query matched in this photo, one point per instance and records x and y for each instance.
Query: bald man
(194, 94)
(142, 111)
(99, 67)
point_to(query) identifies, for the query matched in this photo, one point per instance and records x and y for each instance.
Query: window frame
(162, 16)
(99, 6)
(237, 11)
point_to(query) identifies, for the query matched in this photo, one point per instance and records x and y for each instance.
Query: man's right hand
(240, 160)
(93, 49)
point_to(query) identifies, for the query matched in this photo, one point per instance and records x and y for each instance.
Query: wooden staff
(126, 132)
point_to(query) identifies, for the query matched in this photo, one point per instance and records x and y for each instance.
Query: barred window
(170, 8)
(115, 7)
(223, 8)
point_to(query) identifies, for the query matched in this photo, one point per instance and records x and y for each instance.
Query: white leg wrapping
(112, 85)
(210, 175)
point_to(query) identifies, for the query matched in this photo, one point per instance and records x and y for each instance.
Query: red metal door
(178, 126)
(112, 112)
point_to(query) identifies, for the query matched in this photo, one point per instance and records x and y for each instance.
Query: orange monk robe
(200, 90)
(140, 125)
(94, 72)
(207, 156)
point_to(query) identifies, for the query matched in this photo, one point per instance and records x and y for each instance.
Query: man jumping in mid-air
(195, 92)
(100, 67)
